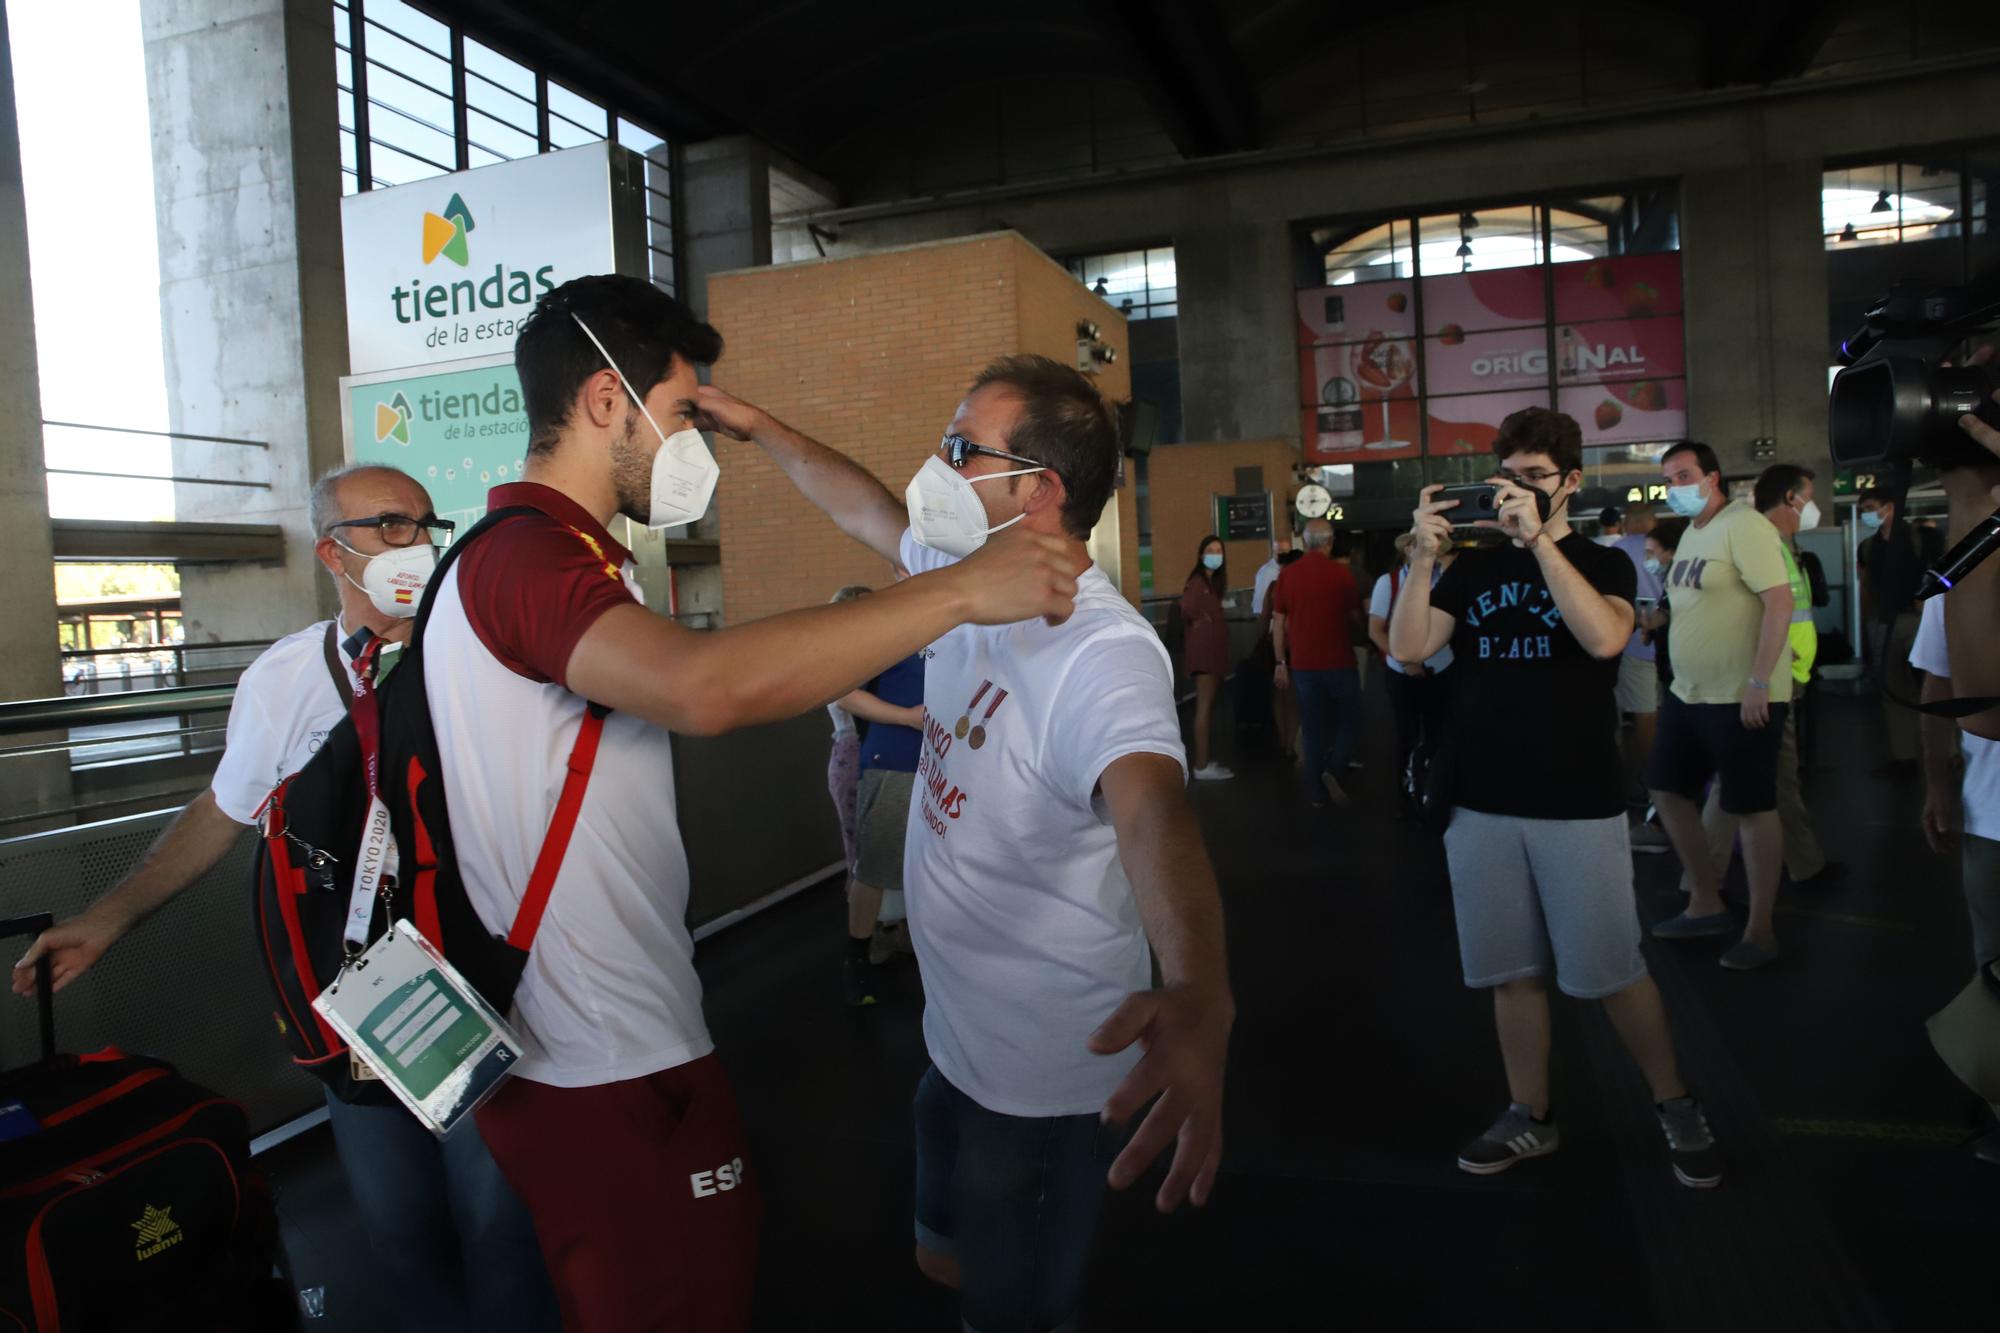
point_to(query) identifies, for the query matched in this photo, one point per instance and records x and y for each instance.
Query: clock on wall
(1312, 501)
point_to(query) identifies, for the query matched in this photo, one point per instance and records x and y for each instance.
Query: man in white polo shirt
(449, 1237)
(1050, 842)
(620, 1129)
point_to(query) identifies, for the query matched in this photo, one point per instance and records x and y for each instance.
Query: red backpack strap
(1395, 585)
(555, 843)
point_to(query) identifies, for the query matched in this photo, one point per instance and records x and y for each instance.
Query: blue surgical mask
(1687, 501)
(1657, 568)
(1871, 520)
(1213, 560)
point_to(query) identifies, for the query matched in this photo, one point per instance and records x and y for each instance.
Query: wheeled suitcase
(127, 1197)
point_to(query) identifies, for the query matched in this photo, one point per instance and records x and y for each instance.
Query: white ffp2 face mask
(945, 512)
(394, 580)
(684, 471)
(1809, 516)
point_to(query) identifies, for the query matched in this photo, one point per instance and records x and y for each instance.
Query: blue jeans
(1014, 1199)
(451, 1241)
(1329, 707)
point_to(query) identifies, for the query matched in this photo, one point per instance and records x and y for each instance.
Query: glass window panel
(479, 157)
(348, 161)
(562, 134)
(1857, 205)
(1373, 255)
(416, 28)
(349, 183)
(497, 137)
(1928, 202)
(581, 112)
(501, 106)
(391, 166)
(346, 104)
(485, 67)
(1582, 235)
(637, 137)
(1497, 238)
(413, 102)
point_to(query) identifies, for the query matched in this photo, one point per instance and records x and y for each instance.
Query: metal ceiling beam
(1179, 54)
(1764, 43)
(183, 543)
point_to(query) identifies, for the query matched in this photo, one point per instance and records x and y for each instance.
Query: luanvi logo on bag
(157, 1231)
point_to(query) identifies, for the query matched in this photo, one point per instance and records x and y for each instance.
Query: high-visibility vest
(1804, 635)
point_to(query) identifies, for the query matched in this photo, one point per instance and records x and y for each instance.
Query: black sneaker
(858, 980)
(1515, 1137)
(1697, 1161)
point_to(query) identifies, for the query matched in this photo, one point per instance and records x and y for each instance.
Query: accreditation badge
(418, 1026)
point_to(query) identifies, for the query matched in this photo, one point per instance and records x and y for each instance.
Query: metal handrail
(29, 715)
(137, 649)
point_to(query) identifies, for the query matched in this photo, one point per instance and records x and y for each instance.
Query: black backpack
(311, 833)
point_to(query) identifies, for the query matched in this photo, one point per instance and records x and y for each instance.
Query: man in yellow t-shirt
(1724, 718)
(1785, 497)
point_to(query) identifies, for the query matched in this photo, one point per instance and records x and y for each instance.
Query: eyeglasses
(401, 529)
(959, 451)
(1533, 477)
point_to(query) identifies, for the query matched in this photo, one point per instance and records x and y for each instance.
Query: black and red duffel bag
(312, 828)
(127, 1199)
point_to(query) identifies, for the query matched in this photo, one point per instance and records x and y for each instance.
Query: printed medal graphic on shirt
(944, 801)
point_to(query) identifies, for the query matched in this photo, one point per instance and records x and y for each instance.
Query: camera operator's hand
(1430, 530)
(1520, 516)
(1972, 425)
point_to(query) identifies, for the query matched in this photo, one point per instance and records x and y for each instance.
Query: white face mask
(684, 472)
(395, 579)
(1687, 501)
(1809, 516)
(945, 512)
(1213, 560)
(1656, 568)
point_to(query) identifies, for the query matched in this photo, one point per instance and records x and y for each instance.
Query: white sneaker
(1213, 772)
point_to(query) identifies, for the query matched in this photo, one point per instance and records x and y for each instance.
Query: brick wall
(1183, 478)
(870, 355)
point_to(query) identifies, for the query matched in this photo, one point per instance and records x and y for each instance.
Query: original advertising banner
(1467, 424)
(1630, 287)
(1506, 298)
(1357, 312)
(1360, 398)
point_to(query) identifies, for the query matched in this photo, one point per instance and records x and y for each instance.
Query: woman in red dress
(1205, 645)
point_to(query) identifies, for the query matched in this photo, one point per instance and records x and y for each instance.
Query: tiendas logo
(445, 234)
(392, 420)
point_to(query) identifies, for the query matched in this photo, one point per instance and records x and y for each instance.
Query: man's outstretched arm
(860, 505)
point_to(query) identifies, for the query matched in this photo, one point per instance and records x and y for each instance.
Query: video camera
(1895, 403)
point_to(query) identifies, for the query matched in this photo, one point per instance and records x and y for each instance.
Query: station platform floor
(1359, 1065)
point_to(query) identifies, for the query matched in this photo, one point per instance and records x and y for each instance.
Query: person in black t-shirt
(1538, 850)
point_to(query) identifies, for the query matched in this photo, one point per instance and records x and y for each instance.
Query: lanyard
(376, 860)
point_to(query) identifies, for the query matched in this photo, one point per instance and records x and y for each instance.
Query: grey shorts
(1638, 685)
(1529, 893)
(881, 818)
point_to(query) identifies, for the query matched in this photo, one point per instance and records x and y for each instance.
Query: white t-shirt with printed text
(286, 703)
(1024, 921)
(1981, 788)
(1382, 601)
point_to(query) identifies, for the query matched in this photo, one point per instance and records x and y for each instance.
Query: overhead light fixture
(1464, 246)
(1100, 289)
(1467, 222)
(1847, 232)
(1882, 204)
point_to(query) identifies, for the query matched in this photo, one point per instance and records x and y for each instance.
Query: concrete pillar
(1754, 275)
(246, 169)
(1238, 339)
(725, 219)
(31, 668)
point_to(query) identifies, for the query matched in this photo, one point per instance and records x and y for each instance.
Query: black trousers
(1417, 703)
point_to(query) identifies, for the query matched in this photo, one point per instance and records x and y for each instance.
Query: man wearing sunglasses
(1537, 847)
(1050, 843)
(449, 1237)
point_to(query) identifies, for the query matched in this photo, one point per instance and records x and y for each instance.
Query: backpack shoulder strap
(333, 664)
(555, 843)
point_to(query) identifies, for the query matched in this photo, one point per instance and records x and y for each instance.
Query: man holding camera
(1724, 718)
(1538, 851)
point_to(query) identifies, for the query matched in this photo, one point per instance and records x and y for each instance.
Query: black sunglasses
(401, 529)
(959, 451)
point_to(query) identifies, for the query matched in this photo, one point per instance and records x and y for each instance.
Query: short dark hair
(1537, 430)
(1778, 481)
(1878, 494)
(1704, 456)
(1668, 533)
(1610, 517)
(642, 328)
(1066, 425)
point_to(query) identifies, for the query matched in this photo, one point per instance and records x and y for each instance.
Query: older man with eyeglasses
(449, 1236)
